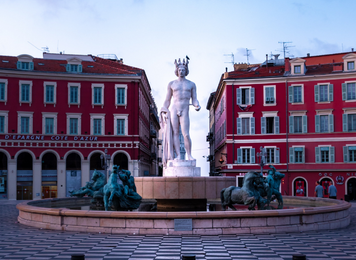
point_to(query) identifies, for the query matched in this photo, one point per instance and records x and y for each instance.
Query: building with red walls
(60, 113)
(302, 111)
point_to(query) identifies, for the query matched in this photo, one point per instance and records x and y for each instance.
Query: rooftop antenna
(43, 49)
(232, 59)
(285, 47)
(248, 53)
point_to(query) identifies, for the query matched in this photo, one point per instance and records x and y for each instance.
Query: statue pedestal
(181, 168)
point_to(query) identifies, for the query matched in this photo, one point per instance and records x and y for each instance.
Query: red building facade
(302, 111)
(59, 114)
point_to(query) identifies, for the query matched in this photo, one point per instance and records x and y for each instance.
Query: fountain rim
(336, 205)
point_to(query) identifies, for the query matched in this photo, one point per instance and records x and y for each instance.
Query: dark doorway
(24, 176)
(49, 176)
(121, 159)
(95, 164)
(3, 176)
(351, 189)
(326, 182)
(73, 173)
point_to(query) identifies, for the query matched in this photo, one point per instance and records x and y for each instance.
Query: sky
(151, 34)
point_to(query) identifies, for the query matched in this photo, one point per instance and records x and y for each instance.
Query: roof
(96, 66)
(257, 72)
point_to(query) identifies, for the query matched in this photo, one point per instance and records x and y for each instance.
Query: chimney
(286, 65)
(308, 54)
(240, 66)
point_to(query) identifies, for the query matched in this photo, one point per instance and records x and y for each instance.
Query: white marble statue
(179, 93)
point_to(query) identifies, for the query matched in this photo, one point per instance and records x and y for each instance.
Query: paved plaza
(21, 242)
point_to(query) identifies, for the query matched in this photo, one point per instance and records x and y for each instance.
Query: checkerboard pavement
(22, 242)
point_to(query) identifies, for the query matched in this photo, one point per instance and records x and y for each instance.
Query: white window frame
(25, 114)
(325, 112)
(299, 113)
(49, 115)
(350, 100)
(30, 95)
(54, 93)
(328, 87)
(275, 153)
(329, 155)
(79, 117)
(245, 147)
(74, 85)
(120, 86)
(5, 97)
(5, 114)
(97, 85)
(273, 114)
(247, 115)
(297, 146)
(249, 95)
(74, 61)
(25, 58)
(298, 62)
(274, 95)
(349, 58)
(347, 111)
(297, 85)
(121, 116)
(97, 116)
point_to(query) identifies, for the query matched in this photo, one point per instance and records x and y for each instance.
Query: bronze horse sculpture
(247, 195)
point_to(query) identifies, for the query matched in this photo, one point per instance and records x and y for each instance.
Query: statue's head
(181, 67)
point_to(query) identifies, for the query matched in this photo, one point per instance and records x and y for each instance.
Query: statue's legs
(185, 124)
(175, 129)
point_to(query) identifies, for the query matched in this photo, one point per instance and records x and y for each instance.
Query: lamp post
(105, 162)
(261, 157)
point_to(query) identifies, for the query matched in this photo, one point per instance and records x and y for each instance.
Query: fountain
(182, 195)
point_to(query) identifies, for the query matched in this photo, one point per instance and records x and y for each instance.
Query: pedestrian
(332, 191)
(319, 190)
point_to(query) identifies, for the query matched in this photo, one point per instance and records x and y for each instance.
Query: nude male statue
(180, 91)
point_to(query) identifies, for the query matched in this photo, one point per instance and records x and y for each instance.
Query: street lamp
(261, 157)
(105, 162)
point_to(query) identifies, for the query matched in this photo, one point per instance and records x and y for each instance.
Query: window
(245, 123)
(50, 92)
(2, 124)
(349, 91)
(73, 126)
(296, 155)
(49, 123)
(349, 153)
(97, 124)
(97, 94)
(25, 92)
(298, 124)
(25, 122)
(120, 124)
(74, 65)
(349, 122)
(269, 93)
(120, 95)
(2, 91)
(25, 125)
(350, 65)
(272, 155)
(74, 94)
(324, 123)
(24, 62)
(74, 123)
(245, 96)
(3, 121)
(269, 124)
(295, 94)
(49, 126)
(245, 155)
(297, 69)
(324, 92)
(325, 154)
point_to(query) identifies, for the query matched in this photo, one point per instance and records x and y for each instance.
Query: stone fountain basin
(311, 214)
